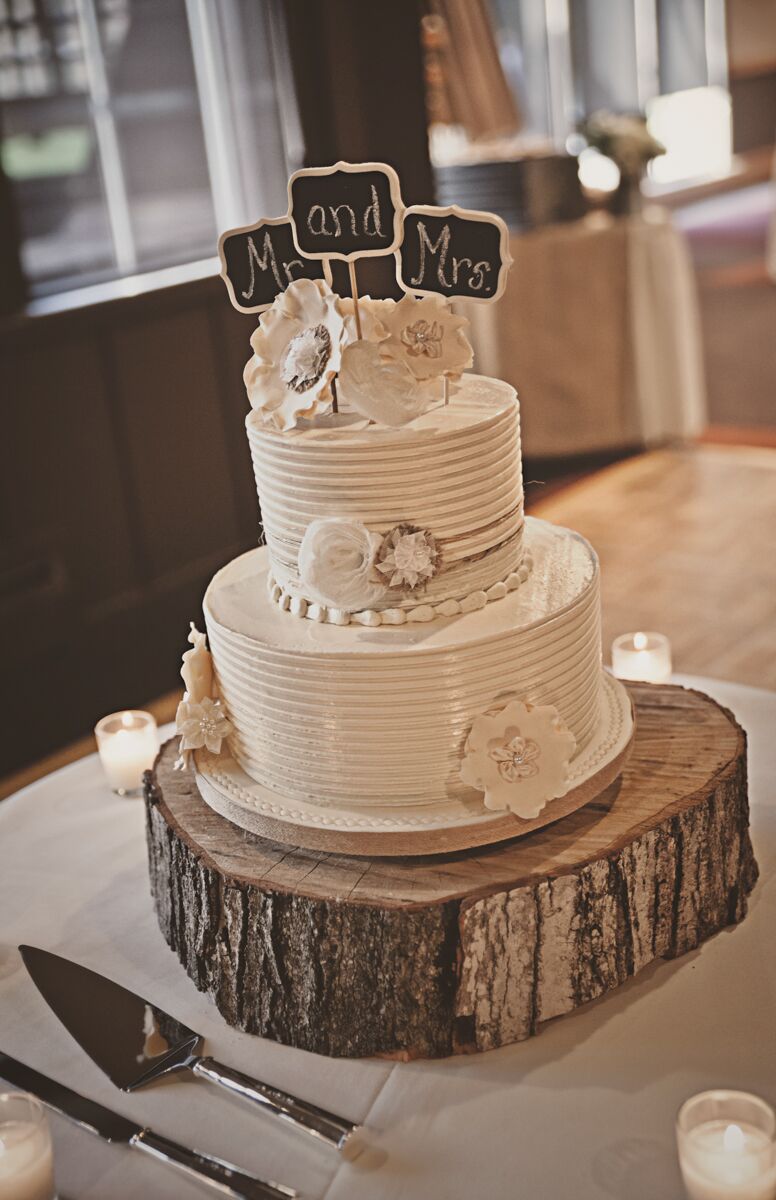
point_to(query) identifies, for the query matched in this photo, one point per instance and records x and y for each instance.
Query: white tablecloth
(585, 1110)
(599, 331)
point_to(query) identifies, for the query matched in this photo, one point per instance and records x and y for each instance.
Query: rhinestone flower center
(516, 758)
(423, 338)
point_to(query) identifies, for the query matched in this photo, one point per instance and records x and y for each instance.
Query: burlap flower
(408, 557)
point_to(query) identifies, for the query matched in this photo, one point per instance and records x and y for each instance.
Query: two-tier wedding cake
(408, 657)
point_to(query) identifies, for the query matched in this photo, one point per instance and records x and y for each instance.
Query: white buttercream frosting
(454, 471)
(381, 715)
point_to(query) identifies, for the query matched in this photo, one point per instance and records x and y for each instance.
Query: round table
(585, 1109)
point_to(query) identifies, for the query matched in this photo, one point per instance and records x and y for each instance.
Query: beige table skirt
(599, 331)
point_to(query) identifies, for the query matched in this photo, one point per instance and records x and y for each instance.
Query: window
(564, 59)
(134, 131)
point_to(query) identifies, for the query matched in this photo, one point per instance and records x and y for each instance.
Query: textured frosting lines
(327, 717)
(454, 472)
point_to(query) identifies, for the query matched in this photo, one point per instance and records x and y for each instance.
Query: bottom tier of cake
(372, 723)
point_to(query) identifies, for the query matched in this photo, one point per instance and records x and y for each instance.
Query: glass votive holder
(128, 743)
(26, 1158)
(727, 1146)
(642, 656)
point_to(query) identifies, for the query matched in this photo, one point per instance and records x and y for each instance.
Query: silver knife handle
(223, 1176)
(318, 1122)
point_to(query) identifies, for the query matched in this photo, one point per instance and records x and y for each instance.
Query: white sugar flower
(429, 338)
(336, 564)
(408, 556)
(380, 386)
(197, 669)
(297, 350)
(372, 315)
(201, 725)
(519, 757)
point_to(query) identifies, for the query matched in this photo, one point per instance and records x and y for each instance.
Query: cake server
(112, 1127)
(134, 1042)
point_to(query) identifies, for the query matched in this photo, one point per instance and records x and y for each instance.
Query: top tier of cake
(451, 477)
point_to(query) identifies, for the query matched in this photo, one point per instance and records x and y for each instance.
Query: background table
(599, 330)
(585, 1110)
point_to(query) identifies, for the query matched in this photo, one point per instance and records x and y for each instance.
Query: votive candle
(642, 656)
(727, 1146)
(26, 1160)
(128, 743)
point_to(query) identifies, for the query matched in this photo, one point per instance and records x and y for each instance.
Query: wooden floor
(687, 542)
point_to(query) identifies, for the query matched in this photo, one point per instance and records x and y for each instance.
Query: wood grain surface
(432, 956)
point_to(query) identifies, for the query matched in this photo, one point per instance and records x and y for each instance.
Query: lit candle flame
(640, 641)
(733, 1139)
(127, 720)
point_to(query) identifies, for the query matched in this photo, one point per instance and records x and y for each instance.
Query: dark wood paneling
(358, 74)
(61, 428)
(231, 332)
(167, 393)
(125, 482)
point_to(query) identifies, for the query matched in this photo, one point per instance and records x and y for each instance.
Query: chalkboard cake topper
(453, 252)
(259, 261)
(354, 210)
(371, 347)
(346, 211)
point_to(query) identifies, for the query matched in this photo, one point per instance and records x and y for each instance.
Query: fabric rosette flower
(336, 564)
(519, 757)
(378, 385)
(408, 557)
(296, 353)
(428, 337)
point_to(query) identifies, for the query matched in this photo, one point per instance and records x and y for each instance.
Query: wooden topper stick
(354, 293)
(446, 392)
(328, 277)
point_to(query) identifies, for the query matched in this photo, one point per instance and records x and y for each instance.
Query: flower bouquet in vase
(626, 140)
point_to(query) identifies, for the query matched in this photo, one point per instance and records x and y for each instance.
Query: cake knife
(134, 1042)
(112, 1127)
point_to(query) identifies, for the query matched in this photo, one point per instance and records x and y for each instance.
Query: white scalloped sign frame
(348, 168)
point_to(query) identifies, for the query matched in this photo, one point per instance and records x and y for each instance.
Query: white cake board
(409, 829)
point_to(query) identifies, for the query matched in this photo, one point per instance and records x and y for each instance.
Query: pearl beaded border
(299, 607)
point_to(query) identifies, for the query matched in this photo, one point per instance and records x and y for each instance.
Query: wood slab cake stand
(425, 957)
